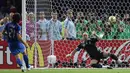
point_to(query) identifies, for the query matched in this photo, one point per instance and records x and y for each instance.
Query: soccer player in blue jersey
(15, 42)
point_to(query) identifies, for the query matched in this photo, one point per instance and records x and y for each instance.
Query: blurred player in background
(70, 29)
(15, 42)
(3, 23)
(89, 45)
(81, 25)
(30, 27)
(120, 28)
(54, 27)
(42, 26)
(63, 17)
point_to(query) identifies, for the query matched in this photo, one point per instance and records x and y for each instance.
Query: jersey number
(11, 33)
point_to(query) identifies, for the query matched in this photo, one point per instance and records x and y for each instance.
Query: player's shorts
(98, 56)
(94, 53)
(16, 48)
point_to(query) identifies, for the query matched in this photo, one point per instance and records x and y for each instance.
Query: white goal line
(78, 68)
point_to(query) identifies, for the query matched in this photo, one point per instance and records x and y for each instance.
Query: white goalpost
(24, 19)
(24, 23)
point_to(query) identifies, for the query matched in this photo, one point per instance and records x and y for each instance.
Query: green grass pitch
(68, 71)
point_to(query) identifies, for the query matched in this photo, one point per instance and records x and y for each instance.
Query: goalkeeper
(89, 44)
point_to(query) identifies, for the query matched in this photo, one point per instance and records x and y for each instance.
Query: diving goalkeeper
(89, 44)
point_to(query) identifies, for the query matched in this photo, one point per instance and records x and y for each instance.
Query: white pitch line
(79, 68)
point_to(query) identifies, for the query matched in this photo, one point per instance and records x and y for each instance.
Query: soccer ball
(112, 19)
(51, 59)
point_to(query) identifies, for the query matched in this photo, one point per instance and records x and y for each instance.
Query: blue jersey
(15, 46)
(12, 29)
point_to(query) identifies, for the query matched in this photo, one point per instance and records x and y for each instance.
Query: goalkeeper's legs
(84, 58)
(112, 56)
(95, 64)
(75, 59)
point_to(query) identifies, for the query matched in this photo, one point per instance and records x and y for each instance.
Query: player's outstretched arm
(4, 32)
(0, 36)
(99, 37)
(80, 46)
(72, 53)
(20, 39)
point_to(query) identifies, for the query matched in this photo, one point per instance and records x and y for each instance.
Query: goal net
(38, 50)
(95, 14)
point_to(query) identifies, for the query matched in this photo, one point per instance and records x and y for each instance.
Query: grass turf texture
(68, 71)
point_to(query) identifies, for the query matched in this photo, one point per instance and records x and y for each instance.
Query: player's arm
(60, 27)
(39, 31)
(80, 46)
(0, 36)
(72, 53)
(47, 30)
(20, 39)
(4, 33)
(97, 36)
(65, 34)
(65, 30)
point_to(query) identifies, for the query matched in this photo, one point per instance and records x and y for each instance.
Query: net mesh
(95, 13)
(38, 51)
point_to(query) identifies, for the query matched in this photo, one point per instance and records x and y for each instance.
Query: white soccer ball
(51, 59)
(112, 19)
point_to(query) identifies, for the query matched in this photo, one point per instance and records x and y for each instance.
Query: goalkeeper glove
(68, 55)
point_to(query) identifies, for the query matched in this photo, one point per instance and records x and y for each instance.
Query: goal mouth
(95, 15)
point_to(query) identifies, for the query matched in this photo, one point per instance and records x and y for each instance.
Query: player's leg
(84, 58)
(15, 52)
(94, 63)
(19, 62)
(75, 59)
(22, 49)
(25, 57)
(105, 55)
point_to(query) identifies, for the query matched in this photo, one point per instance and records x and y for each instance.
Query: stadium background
(92, 9)
(95, 12)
